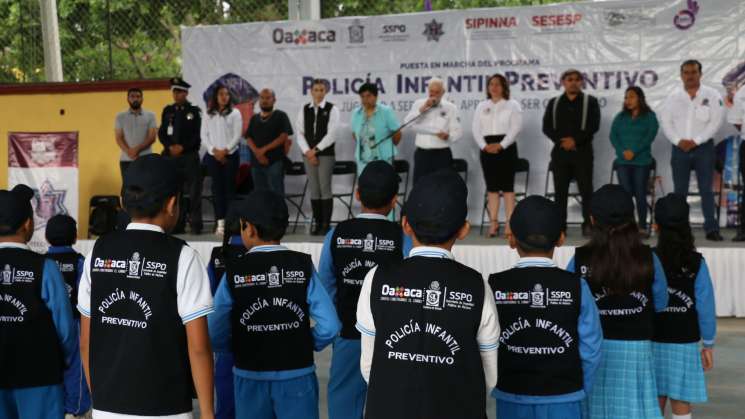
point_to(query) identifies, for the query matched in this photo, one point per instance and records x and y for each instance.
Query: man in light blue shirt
(375, 129)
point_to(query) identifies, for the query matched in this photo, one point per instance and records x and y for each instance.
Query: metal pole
(108, 35)
(304, 9)
(50, 35)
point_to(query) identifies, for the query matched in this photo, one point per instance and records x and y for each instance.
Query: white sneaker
(220, 230)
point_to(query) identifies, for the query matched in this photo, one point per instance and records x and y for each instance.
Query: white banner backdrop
(615, 44)
(48, 163)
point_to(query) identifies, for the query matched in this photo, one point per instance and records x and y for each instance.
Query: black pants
(428, 161)
(123, 166)
(570, 165)
(191, 166)
(223, 181)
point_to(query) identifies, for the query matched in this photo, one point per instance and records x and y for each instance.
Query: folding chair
(461, 167)
(550, 193)
(402, 168)
(346, 168)
(297, 199)
(696, 192)
(522, 167)
(651, 199)
(207, 195)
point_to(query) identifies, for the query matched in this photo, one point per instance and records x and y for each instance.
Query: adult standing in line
(690, 118)
(179, 133)
(221, 134)
(437, 126)
(632, 133)
(496, 124)
(375, 129)
(268, 135)
(316, 124)
(570, 122)
(134, 130)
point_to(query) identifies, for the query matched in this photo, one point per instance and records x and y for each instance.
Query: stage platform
(726, 259)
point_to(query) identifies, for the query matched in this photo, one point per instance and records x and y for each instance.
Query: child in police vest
(551, 335)
(428, 325)
(629, 286)
(37, 331)
(61, 233)
(350, 250)
(143, 299)
(232, 247)
(690, 317)
(263, 308)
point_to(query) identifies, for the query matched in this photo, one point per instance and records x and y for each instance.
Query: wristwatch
(316, 150)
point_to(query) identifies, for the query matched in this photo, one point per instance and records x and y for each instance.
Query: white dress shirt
(504, 117)
(697, 119)
(330, 137)
(736, 114)
(193, 297)
(222, 131)
(487, 335)
(440, 118)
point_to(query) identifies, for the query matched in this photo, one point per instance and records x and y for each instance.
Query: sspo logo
(401, 292)
(391, 29)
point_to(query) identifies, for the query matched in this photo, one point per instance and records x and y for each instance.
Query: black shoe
(740, 237)
(714, 236)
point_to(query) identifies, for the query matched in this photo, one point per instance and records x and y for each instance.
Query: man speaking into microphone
(437, 125)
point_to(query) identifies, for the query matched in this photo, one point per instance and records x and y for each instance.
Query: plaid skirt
(624, 385)
(678, 371)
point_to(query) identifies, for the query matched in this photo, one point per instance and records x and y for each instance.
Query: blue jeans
(701, 160)
(294, 398)
(270, 177)
(223, 181)
(634, 179)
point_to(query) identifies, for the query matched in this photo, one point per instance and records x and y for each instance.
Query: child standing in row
(629, 285)
(690, 316)
(550, 344)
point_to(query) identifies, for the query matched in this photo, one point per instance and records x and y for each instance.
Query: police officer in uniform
(543, 372)
(148, 292)
(61, 233)
(179, 132)
(37, 334)
(429, 326)
(263, 308)
(350, 250)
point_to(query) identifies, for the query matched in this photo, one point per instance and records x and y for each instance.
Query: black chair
(550, 193)
(402, 168)
(522, 167)
(651, 196)
(102, 214)
(207, 196)
(297, 199)
(346, 168)
(461, 167)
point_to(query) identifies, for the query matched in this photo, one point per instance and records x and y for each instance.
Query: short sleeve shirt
(264, 131)
(135, 126)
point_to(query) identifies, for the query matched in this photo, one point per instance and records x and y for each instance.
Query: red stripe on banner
(42, 149)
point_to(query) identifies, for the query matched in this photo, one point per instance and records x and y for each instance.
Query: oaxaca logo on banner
(48, 163)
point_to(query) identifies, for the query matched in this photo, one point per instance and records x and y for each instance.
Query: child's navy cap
(536, 222)
(438, 204)
(671, 211)
(156, 176)
(15, 208)
(61, 228)
(612, 205)
(263, 207)
(380, 179)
